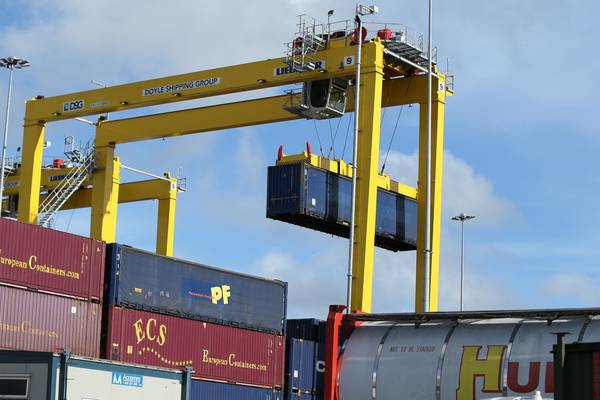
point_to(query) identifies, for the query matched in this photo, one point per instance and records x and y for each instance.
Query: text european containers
(51, 261)
(146, 281)
(204, 390)
(44, 322)
(317, 199)
(217, 352)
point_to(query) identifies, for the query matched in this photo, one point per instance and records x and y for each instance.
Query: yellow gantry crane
(388, 78)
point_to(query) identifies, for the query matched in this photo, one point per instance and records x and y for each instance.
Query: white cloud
(464, 190)
(572, 288)
(314, 282)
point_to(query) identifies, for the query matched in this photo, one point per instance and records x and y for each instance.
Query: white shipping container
(50, 376)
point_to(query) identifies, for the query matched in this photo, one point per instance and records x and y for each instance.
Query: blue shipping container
(207, 390)
(304, 396)
(143, 280)
(304, 195)
(307, 329)
(305, 352)
(301, 366)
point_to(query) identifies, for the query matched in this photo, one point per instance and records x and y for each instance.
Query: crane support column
(437, 152)
(367, 175)
(105, 194)
(165, 231)
(31, 171)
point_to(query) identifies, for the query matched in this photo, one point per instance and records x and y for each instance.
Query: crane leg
(31, 172)
(165, 231)
(367, 174)
(105, 195)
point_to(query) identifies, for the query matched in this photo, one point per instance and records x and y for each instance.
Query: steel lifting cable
(330, 138)
(394, 132)
(350, 119)
(332, 148)
(391, 140)
(319, 139)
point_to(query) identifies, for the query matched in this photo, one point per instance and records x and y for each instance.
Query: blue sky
(521, 140)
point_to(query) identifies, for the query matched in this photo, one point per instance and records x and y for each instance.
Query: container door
(284, 189)
(316, 192)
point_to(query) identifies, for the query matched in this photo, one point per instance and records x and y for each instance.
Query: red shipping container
(215, 352)
(51, 261)
(43, 322)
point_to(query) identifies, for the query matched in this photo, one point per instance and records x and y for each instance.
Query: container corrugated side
(204, 390)
(43, 322)
(313, 331)
(307, 329)
(52, 261)
(146, 281)
(215, 352)
(317, 199)
(300, 371)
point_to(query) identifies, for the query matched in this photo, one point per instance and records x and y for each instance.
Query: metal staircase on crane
(73, 181)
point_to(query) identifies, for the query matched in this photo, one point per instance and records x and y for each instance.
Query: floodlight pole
(354, 158)
(427, 230)
(462, 218)
(5, 137)
(360, 10)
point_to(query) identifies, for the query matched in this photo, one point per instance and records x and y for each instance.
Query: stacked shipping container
(50, 289)
(172, 313)
(145, 281)
(305, 355)
(216, 352)
(60, 291)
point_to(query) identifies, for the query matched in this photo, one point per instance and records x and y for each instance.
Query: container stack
(172, 313)
(50, 290)
(305, 355)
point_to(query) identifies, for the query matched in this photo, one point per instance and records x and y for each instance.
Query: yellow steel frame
(164, 190)
(342, 168)
(379, 88)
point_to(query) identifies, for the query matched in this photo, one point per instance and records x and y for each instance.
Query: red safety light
(308, 150)
(384, 34)
(364, 34)
(58, 163)
(280, 153)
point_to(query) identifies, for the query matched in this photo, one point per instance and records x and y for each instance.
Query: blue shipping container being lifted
(204, 390)
(304, 195)
(305, 359)
(142, 280)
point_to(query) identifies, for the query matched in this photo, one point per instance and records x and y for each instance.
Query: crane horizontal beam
(333, 62)
(396, 92)
(151, 189)
(50, 179)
